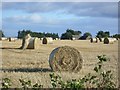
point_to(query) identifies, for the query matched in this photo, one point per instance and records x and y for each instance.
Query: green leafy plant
(6, 83)
(102, 78)
(57, 82)
(25, 83)
(28, 84)
(37, 86)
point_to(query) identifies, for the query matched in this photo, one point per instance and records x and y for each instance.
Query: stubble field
(33, 64)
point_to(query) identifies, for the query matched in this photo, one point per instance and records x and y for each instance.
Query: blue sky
(58, 16)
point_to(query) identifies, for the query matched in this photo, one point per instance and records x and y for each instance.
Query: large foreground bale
(47, 40)
(109, 40)
(65, 58)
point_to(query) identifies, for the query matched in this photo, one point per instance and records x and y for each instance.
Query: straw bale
(65, 58)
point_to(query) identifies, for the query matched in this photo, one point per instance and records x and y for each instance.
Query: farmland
(33, 64)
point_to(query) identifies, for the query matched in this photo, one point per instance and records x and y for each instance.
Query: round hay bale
(44, 41)
(25, 41)
(65, 58)
(47, 40)
(108, 40)
(3, 38)
(10, 39)
(100, 39)
(114, 39)
(93, 40)
(27, 36)
(33, 43)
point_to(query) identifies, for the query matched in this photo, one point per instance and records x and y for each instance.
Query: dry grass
(34, 65)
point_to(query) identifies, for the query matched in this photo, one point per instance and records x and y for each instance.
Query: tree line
(23, 33)
(66, 35)
(69, 34)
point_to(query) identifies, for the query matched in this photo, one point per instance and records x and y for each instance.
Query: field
(34, 65)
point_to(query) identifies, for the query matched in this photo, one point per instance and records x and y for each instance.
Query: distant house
(75, 37)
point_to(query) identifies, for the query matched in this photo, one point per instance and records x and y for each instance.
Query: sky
(56, 17)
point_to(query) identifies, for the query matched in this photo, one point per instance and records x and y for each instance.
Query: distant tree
(66, 35)
(73, 32)
(86, 34)
(102, 34)
(77, 32)
(21, 34)
(69, 33)
(107, 34)
(54, 36)
(2, 33)
(116, 36)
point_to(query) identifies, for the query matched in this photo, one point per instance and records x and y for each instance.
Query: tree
(22, 34)
(2, 33)
(73, 32)
(66, 35)
(69, 33)
(102, 34)
(77, 32)
(107, 34)
(87, 34)
(116, 36)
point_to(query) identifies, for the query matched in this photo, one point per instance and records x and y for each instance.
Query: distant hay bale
(56, 38)
(100, 39)
(41, 38)
(33, 43)
(94, 40)
(12, 39)
(30, 42)
(3, 38)
(44, 41)
(109, 40)
(115, 39)
(65, 58)
(25, 41)
(47, 40)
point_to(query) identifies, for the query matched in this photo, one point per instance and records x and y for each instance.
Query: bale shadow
(28, 70)
(9, 48)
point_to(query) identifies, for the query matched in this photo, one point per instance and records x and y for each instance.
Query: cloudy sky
(58, 16)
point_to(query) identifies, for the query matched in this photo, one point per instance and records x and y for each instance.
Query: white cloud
(92, 9)
(32, 18)
(35, 18)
